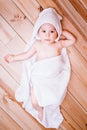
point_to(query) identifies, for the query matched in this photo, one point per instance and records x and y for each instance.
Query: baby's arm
(19, 57)
(68, 39)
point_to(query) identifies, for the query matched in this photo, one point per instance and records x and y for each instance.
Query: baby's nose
(47, 35)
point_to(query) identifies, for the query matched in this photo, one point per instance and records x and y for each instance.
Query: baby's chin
(47, 41)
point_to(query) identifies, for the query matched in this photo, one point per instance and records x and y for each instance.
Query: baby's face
(47, 33)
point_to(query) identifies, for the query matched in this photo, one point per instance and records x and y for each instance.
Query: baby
(45, 46)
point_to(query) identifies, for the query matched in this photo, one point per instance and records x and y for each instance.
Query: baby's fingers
(8, 58)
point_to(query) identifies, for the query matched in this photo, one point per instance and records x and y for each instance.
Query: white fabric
(49, 77)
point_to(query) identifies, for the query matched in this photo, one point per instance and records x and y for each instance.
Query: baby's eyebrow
(52, 29)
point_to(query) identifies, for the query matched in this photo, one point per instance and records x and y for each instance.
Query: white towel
(49, 77)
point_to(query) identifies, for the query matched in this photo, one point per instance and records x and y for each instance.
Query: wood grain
(17, 18)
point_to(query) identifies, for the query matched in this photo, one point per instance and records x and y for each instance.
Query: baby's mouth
(47, 39)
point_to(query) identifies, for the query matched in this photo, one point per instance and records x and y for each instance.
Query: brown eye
(43, 31)
(52, 31)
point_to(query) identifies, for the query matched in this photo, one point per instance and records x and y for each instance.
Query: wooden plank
(75, 111)
(66, 126)
(23, 119)
(11, 79)
(6, 32)
(78, 90)
(16, 19)
(15, 46)
(13, 68)
(7, 123)
(8, 79)
(79, 64)
(8, 90)
(60, 128)
(2, 126)
(78, 85)
(80, 9)
(69, 123)
(47, 4)
(84, 3)
(75, 18)
(30, 8)
(81, 44)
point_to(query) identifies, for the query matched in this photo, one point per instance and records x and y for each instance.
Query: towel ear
(59, 16)
(50, 10)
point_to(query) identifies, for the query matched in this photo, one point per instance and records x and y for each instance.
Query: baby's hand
(9, 58)
(62, 37)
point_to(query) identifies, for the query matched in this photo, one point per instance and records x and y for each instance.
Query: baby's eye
(43, 31)
(52, 31)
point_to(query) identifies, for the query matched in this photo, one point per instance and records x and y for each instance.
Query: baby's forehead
(47, 26)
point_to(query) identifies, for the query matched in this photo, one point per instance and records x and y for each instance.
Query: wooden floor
(16, 23)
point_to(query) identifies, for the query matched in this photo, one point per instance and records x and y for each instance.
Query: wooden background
(16, 23)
